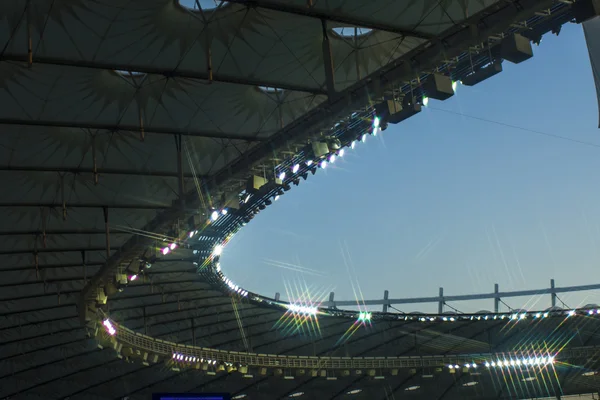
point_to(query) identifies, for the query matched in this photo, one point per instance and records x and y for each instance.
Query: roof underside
(87, 149)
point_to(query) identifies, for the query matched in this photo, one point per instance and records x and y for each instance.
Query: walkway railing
(188, 356)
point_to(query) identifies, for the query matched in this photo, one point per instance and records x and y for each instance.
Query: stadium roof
(121, 119)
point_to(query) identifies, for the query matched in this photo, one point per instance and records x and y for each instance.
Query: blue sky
(443, 200)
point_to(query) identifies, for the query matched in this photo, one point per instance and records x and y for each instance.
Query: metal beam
(438, 299)
(89, 205)
(335, 16)
(54, 250)
(58, 232)
(328, 61)
(167, 72)
(100, 171)
(128, 128)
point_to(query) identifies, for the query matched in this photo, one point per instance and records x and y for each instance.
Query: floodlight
(376, 121)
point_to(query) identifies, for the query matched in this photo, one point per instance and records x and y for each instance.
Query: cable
(507, 306)
(563, 303)
(394, 308)
(552, 135)
(454, 309)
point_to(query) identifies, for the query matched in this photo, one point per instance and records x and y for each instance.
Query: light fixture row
(511, 362)
(291, 171)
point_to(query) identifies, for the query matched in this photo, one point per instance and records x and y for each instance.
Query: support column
(331, 301)
(441, 302)
(84, 267)
(552, 293)
(107, 230)
(277, 296)
(145, 322)
(328, 61)
(94, 159)
(386, 295)
(178, 145)
(29, 36)
(496, 298)
(193, 333)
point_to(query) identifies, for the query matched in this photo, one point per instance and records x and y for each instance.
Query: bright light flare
(165, 251)
(218, 250)
(341, 154)
(281, 176)
(214, 215)
(304, 310)
(323, 164)
(364, 317)
(295, 168)
(109, 327)
(425, 101)
(376, 122)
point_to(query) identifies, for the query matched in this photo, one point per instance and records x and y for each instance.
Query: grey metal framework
(126, 122)
(442, 299)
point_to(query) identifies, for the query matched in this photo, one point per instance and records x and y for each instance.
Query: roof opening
(354, 391)
(239, 396)
(351, 31)
(269, 89)
(130, 74)
(201, 5)
(472, 383)
(412, 388)
(297, 394)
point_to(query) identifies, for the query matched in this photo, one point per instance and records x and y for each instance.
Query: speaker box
(584, 10)
(438, 86)
(482, 74)
(516, 48)
(320, 149)
(255, 183)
